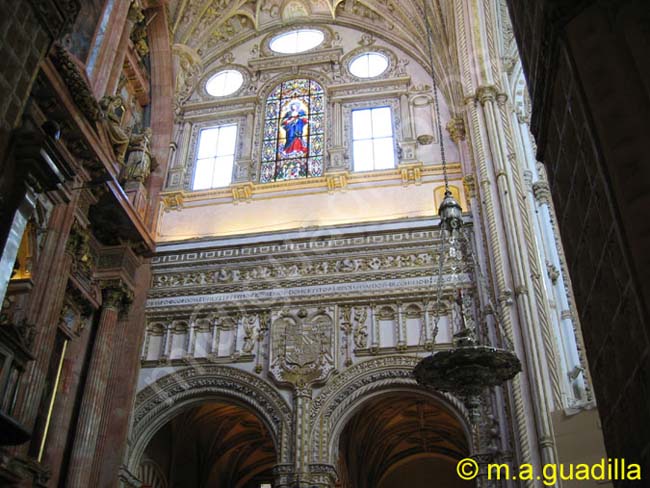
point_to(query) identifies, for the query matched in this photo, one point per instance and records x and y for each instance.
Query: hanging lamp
(469, 366)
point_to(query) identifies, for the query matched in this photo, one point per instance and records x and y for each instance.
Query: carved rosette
(302, 346)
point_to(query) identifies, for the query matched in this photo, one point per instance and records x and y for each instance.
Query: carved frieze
(279, 271)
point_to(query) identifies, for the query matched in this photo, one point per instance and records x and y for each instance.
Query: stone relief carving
(360, 327)
(282, 271)
(302, 346)
(418, 237)
(188, 72)
(162, 400)
(353, 384)
(76, 82)
(250, 334)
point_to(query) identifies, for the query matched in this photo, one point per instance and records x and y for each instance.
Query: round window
(368, 65)
(224, 83)
(296, 41)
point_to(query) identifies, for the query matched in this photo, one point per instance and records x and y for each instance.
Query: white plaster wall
(298, 211)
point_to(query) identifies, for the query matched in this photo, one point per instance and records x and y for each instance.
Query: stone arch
(321, 78)
(346, 393)
(160, 402)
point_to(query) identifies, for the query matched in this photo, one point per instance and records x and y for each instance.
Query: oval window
(368, 65)
(224, 83)
(296, 41)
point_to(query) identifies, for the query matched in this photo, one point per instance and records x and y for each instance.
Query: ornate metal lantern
(470, 366)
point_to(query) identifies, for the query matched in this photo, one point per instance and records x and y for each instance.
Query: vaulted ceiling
(395, 428)
(215, 444)
(213, 27)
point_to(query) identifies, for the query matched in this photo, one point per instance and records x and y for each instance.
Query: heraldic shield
(302, 346)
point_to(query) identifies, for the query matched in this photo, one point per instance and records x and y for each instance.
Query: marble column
(90, 413)
(118, 405)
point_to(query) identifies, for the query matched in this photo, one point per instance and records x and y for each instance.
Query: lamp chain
(436, 103)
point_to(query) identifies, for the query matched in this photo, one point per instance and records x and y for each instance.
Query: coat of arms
(302, 346)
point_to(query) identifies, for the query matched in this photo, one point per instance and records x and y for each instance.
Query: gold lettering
(582, 472)
(598, 468)
(634, 472)
(498, 468)
(549, 474)
(526, 472)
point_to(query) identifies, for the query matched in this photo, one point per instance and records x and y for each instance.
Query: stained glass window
(293, 139)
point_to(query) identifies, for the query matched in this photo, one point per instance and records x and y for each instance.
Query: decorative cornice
(177, 199)
(322, 56)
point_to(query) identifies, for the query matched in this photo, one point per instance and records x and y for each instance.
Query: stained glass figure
(293, 131)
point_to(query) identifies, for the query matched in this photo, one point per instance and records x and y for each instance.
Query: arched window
(293, 131)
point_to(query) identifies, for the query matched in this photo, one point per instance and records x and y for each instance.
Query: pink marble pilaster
(94, 397)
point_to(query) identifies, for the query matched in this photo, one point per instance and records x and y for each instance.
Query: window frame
(349, 108)
(367, 54)
(296, 30)
(224, 71)
(324, 134)
(195, 140)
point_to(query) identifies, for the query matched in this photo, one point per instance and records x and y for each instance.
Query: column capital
(542, 192)
(323, 475)
(116, 294)
(486, 93)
